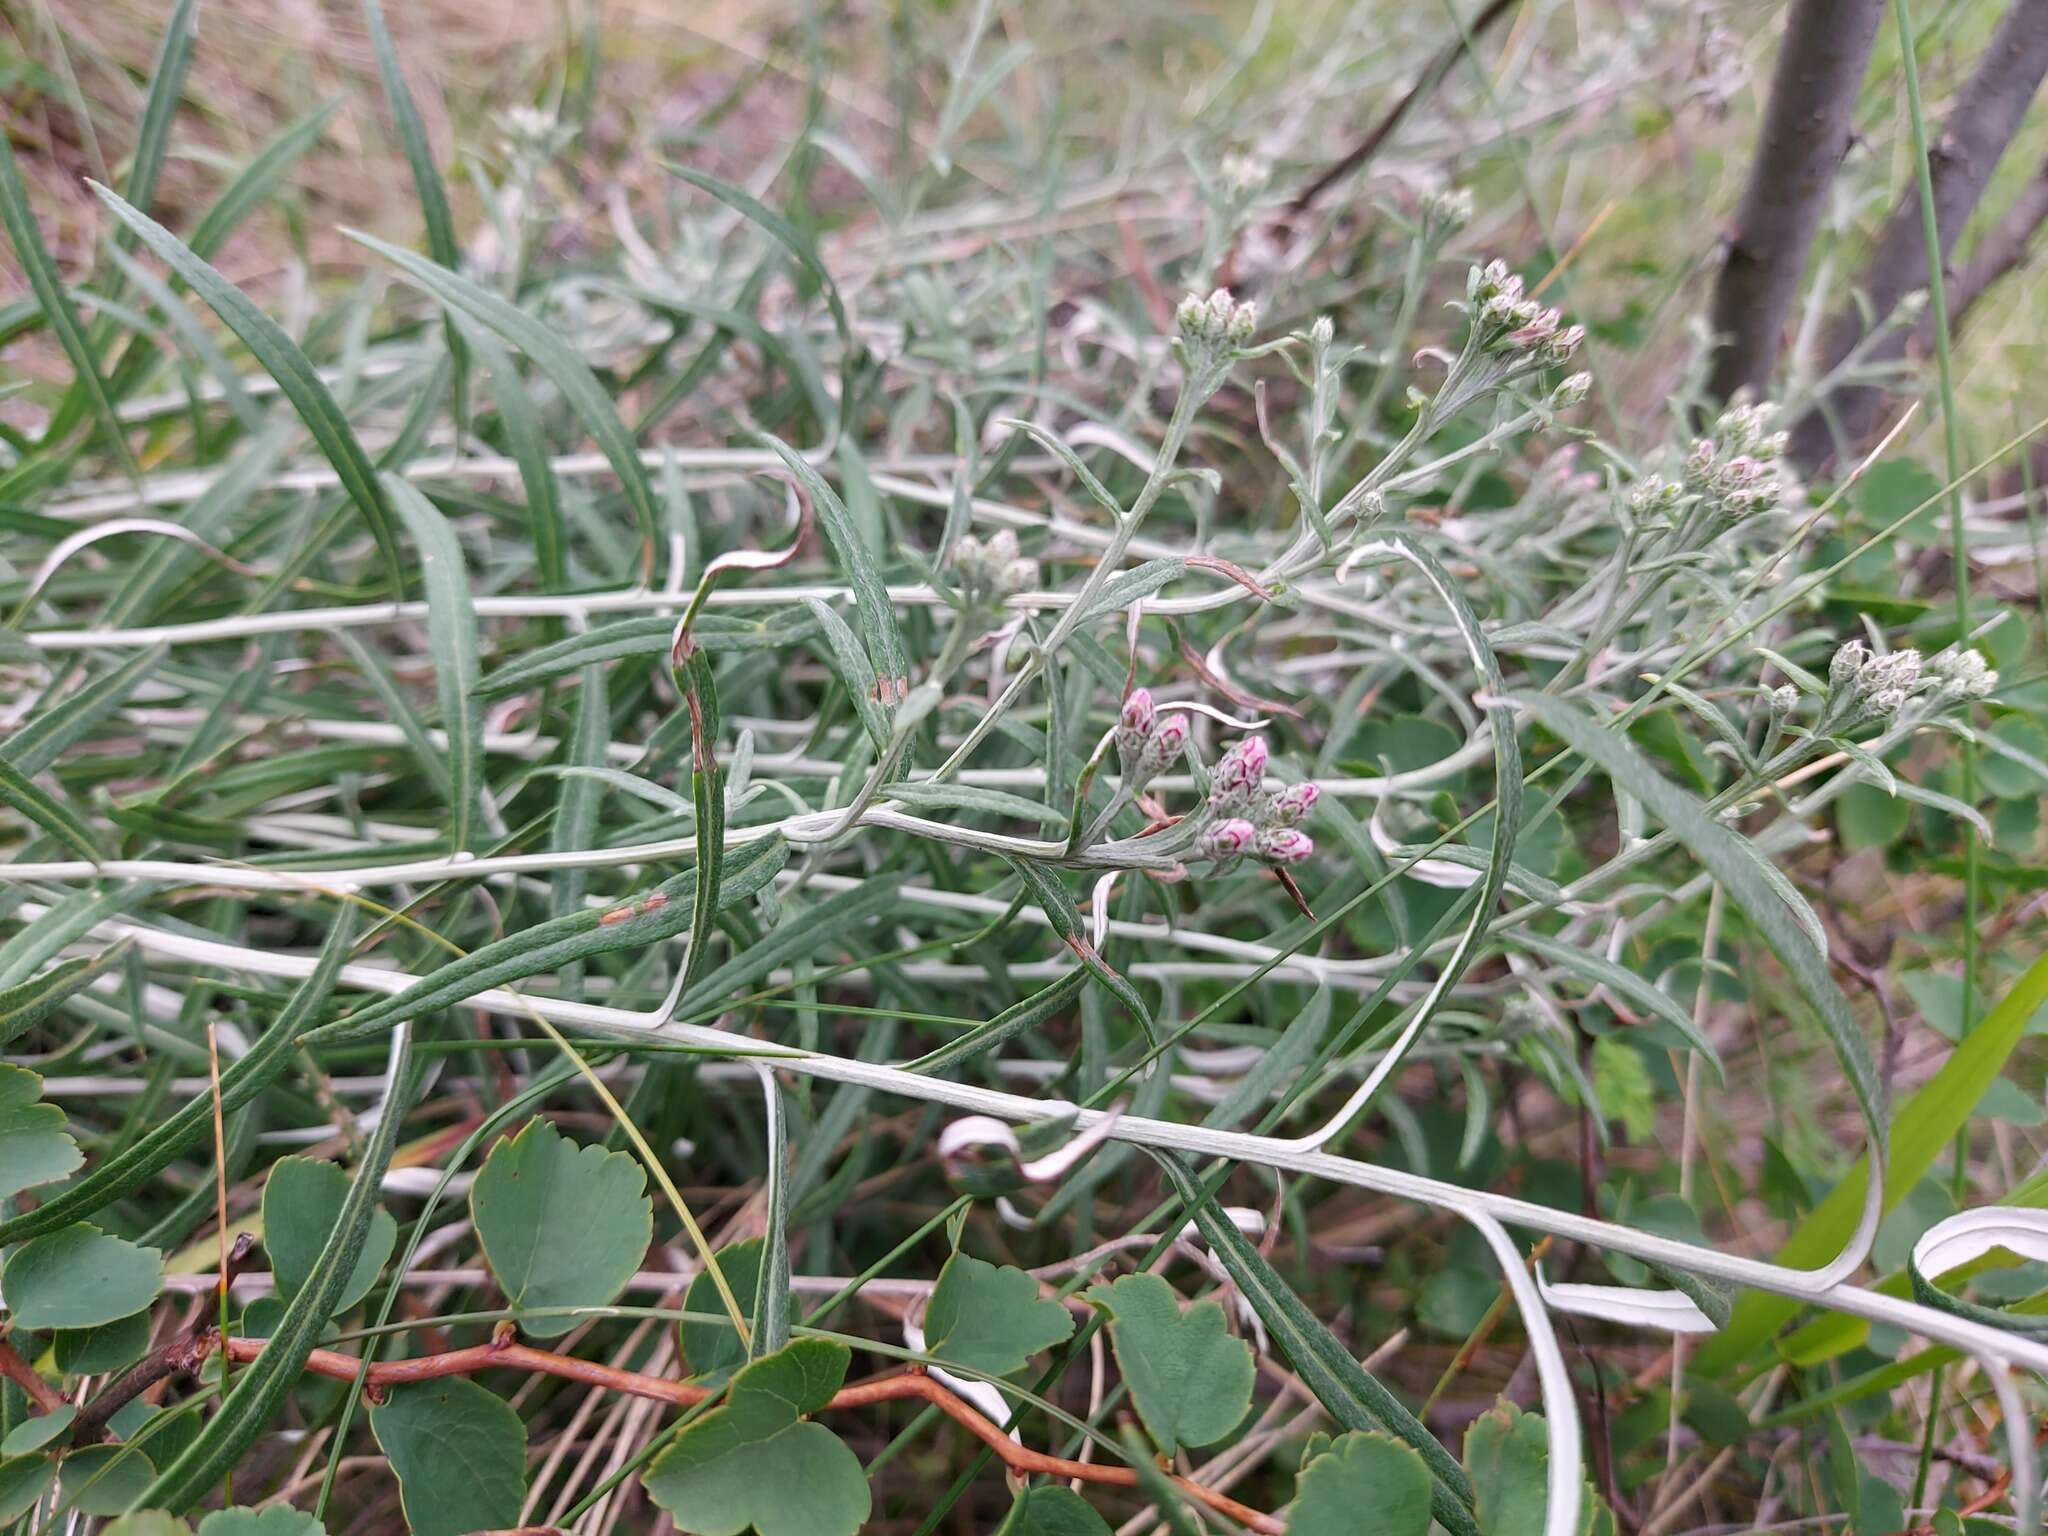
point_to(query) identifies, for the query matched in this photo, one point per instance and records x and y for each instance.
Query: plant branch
(1805, 134)
(502, 1353)
(1988, 111)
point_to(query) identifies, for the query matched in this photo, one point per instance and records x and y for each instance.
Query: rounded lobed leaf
(1191, 1379)
(991, 1318)
(301, 1201)
(79, 1277)
(757, 1464)
(561, 1225)
(1362, 1470)
(34, 1148)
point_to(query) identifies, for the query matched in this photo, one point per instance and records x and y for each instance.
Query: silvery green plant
(543, 785)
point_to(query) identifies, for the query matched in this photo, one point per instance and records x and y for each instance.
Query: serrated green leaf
(991, 1318)
(1191, 1380)
(79, 1277)
(459, 1452)
(34, 1147)
(561, 1225)
(301, 1199)
(756, 1463)
(1362, 1470)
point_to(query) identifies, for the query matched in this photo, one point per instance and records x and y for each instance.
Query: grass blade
(571, 375)
(451, 633)
(283, 361)
(27, 238)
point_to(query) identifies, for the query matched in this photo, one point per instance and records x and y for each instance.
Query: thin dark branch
(1432, 76)
(2001, 250)
(1988, 111)
(1805, 134)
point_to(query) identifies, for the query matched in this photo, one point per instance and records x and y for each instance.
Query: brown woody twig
(504, 1353)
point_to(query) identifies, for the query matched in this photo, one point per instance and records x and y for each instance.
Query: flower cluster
(1147, 742)
(1245, 818)
(990, 572)
(1508, 322)
(1446, 212)
(1863, 685)
(1217, 323)
(1735, 470)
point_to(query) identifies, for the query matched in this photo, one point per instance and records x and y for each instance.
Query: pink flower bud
(1225, 840)
(1235, 784)
(1293, 803)
(1168, 740)
(1285, 845)
(1139, 713)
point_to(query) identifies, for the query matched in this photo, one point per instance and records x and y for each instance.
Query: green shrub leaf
(301, 1199)
(1191, 1379)
(561, 1225)
(757, 1463)
(79, 1277)
(34, 1147)
(459, 1452)
(991, 1318)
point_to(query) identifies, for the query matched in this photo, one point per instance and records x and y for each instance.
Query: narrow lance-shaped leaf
(1715, 846)
(1347, 1391)
(20, 223)
(872, 608)
(241, 1080)
(260, 1389)
(571, 375)
(451, 634)
(281, 358)
(45, 811)
(24, 1006)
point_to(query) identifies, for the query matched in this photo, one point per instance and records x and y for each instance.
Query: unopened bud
(1292, 804)
(1227, 839)
(1571, 391)
(1285, 845)
(1238, 775)
(1168, 740)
